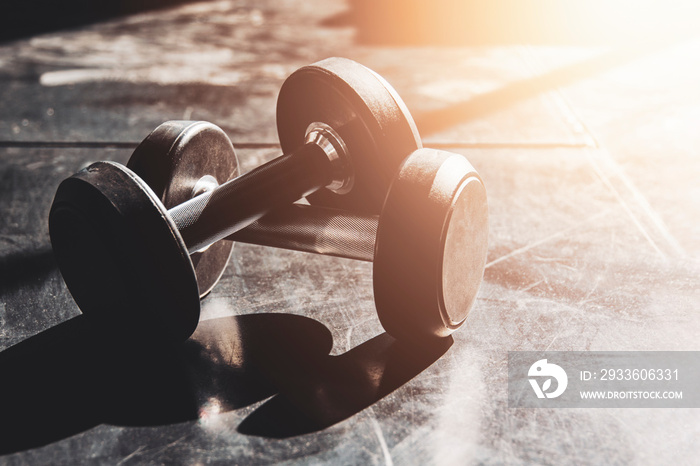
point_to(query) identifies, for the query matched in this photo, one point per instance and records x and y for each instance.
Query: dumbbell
(123, 236)
(344, 128)
(428, 245)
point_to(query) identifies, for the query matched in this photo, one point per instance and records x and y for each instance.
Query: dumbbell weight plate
(172, 160)
(122, 258)
(431, 246)
(365, 111)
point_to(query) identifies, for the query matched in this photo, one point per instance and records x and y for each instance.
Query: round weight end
(122, 258)
(465, 244)
(177, 159)
(372, 121)
(431, 246)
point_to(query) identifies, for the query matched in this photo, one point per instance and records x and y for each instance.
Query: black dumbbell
(344, 128)
(428, 245)
(125, 257)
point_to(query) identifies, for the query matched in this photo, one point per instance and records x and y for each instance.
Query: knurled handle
(320, 230)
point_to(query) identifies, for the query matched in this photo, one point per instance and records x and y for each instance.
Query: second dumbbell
(124, 252)
(343, 129)
(428, 246)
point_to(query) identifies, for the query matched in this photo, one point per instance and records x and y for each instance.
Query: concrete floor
(590, 157)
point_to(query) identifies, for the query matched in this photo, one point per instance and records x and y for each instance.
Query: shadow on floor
(483, 104)
(69, 379)
(20, 268)
(325, 390)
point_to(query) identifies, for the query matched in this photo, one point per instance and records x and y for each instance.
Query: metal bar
(216, 214)
(319, 230)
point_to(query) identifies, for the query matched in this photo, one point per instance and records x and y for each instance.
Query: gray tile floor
(591, 166)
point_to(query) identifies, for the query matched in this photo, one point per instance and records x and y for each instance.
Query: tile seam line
(109, 145)
(386, 453)
(563, 105)
(594, 145)
(269, 145)
(639, 200)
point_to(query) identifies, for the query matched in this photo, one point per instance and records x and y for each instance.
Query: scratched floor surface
(590, 158)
